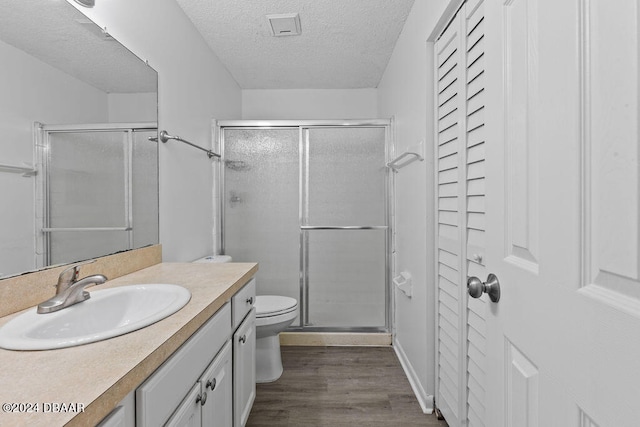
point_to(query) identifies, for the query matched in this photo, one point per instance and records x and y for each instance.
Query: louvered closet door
(450, 128)
(460, 193)
(475, 209)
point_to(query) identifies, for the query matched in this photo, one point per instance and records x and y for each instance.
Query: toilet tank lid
(215, 258)
(273, 304)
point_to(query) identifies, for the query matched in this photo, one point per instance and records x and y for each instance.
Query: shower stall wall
(309, 201)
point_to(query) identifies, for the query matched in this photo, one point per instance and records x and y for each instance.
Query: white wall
(194, 87)
(32, 91)
(129, 107)
(315, 104)
(406, 93)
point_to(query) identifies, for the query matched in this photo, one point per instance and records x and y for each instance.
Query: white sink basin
(107, 314)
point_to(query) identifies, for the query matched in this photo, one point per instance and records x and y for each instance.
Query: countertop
(99, 375)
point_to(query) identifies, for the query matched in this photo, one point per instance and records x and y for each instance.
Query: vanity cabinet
(210, 380)
(152, 370)
(209, 402)
(244, 369)
(174, 387)
(244, 352)
(217, 383)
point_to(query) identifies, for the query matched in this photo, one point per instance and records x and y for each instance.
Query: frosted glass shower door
(86, 189)
(344, 228)
(100, 191)
(261, 205)
(310, 205)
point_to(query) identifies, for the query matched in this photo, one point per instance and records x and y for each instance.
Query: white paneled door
(562, 210)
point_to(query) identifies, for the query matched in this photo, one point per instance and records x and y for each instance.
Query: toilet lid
(272, 305)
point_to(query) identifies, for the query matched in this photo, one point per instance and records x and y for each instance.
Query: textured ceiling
(50, 31)
(344, 43)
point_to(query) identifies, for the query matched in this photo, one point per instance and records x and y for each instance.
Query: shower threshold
(330, 339)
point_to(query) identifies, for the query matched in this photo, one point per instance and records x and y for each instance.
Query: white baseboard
(425, 400)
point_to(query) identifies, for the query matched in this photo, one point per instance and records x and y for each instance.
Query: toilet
(273, 315)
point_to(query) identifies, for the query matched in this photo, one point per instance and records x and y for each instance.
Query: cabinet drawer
(159, 396)
(242, 302)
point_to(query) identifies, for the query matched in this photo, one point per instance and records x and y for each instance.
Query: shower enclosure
(98, 190)
(309, 201)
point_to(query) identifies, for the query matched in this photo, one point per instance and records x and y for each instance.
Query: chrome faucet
(69, 290)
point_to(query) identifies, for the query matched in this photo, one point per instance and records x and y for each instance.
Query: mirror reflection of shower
(98, 193)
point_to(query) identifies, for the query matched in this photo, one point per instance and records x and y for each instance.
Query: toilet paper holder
(404, 283)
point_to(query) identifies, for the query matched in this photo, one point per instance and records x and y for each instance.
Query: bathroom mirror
(62, 73)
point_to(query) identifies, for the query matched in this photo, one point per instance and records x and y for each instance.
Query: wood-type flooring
(339, 386)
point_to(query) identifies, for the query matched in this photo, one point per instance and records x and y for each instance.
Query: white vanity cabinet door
(189, 413)
(218, 384)
(244, 369)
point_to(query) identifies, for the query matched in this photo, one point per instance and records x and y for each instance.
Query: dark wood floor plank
(339, 386)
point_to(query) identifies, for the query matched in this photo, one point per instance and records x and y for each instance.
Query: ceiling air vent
(285, 24)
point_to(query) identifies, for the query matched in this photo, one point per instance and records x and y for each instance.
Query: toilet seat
(274, 305)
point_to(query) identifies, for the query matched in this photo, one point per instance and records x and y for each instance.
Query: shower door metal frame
(302, 126)
(43, 160)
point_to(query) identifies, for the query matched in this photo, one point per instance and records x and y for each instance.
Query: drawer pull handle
(211, 384)
(243, 339)
(250, 300)
(202, 398)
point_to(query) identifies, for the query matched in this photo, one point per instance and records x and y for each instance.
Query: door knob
(202, 398)
(476, 287)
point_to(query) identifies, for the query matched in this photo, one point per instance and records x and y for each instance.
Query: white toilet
(273, 315)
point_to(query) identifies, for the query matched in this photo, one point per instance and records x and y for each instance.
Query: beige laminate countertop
(101, 374)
